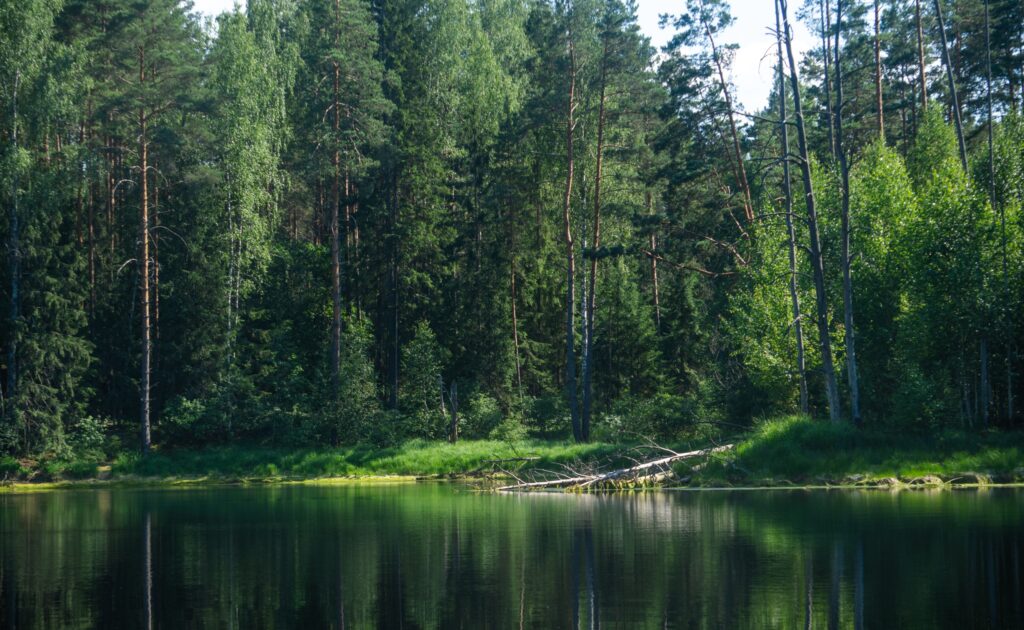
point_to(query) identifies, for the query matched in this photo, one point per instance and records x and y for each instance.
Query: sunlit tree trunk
(827, 367)
(741, 170)
(879, 106)
(954, 102)
(921, 76)
(588, 359)
(570, 274)
(787, 192)
(826, 56)
(844, 169)
(144, 297)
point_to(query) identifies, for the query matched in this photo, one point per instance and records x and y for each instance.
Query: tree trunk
(922, 79)
(741, 170)
(844, 169)
(395, 350)
(453, 427)
(826, 54)
(984, 395)
(954, 102)
(570, 274)
(144, 300)
(998, 206)
(335, 235)
(588, 350)
(787, 192)
(828, 369)
(515, 326)
(14, 252)
(654, 270)
(878, 76)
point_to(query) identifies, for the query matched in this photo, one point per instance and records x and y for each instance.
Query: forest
(339, 222)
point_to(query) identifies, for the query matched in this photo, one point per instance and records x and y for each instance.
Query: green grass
(791, 449)
(802, 451)
(415, 458)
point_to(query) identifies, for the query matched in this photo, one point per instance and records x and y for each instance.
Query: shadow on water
(440, 556)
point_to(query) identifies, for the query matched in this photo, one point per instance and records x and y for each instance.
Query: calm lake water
(443, 556)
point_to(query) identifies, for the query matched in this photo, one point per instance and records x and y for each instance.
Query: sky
(752, 68)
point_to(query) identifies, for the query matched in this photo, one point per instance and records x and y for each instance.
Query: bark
(954, 102)
(828, 369)
(921, 78)
(515, 326)
(999, 208)
(92, 251)
(335, 235)
(654, 271)
(14, 253)
(396, 345)
(844, 169)
(878, 76)
(741, 170)
(646, 470)
(787, 192)
(570, 273)
(144, 298)
(826, 53)
(588, 350)
(453, 426)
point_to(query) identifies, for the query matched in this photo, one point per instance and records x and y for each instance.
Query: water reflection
(433, 556)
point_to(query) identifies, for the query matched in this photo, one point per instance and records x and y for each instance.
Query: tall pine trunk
(954, 101)
(655, 289)
(740, 169)
(878, 75)
(144, 300)
(515, 326)
(998, 206)
(826, 56)
(844, 169)
(570, 267)
(787, 192)
(14, 253)
(921, 77)
(588, 350)
(827, 367)
(335, 232)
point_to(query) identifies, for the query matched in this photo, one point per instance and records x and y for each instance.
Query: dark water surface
(443, 556)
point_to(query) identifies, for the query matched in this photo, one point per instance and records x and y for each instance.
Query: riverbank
(778, 453)
(796, 451)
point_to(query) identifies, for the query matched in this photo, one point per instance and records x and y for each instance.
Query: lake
(439, 555)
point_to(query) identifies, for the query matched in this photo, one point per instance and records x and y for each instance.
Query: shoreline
(187, 483)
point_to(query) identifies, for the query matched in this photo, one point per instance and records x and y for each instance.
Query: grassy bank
(800, 451)
(778, 452)
(416, 458)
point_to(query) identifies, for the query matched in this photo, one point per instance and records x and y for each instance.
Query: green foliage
(436, 130)
(481, 417)
(10, 468)
(355, 415)
(801, 450)
(422, 389)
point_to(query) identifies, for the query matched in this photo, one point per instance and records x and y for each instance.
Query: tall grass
(414, 458)
(798, 449)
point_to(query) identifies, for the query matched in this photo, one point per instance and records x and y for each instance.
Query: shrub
(480, 417)
(10, 467)
(510, 430)
(79, 470)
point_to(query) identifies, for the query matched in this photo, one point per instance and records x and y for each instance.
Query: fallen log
(644, 471)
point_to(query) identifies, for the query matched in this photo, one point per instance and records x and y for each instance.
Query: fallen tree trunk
(655, 469)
